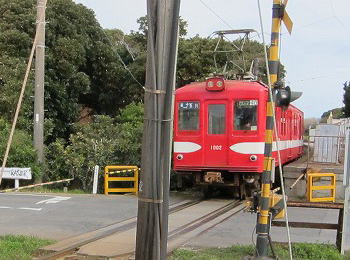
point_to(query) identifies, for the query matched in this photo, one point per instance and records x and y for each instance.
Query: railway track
(186, 220)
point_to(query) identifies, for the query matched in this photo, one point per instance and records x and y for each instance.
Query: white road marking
(53, 200)
(3, 207)
(34, 209)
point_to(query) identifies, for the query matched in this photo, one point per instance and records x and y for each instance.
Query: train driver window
(245, 115)
(216, 119)
(188, 116)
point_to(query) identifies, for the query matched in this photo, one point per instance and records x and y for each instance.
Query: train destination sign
(17, 173)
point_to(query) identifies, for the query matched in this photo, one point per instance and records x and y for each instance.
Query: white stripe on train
(186, 147)
(243, 148)
(258, 147)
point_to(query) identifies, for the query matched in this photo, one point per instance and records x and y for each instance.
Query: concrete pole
(263, 225)
(38, 134)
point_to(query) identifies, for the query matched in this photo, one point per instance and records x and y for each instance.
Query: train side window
(188, 116)
(245, 115)
(216, 119)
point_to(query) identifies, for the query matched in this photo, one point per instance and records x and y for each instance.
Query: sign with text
(17, 173)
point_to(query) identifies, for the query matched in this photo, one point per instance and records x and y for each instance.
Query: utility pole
(263, 226)
(153, 200)
(38, 134)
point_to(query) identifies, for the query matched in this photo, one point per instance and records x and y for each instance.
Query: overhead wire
(218, 16)
(337, 18)
(121, 60)
(276, 134)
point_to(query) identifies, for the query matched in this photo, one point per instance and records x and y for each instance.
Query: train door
(215, 135)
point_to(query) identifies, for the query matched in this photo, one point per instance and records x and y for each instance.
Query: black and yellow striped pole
(263, 225)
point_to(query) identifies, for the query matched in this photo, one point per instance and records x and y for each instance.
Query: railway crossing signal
(279, 14)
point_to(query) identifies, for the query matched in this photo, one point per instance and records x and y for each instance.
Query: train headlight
(179, 156)
(215, 84)
(253, 158)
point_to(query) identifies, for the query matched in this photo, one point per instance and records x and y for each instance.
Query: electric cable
(121, 60)
(276, 134)
(218, 16)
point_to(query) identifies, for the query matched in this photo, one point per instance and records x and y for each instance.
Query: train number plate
(216, 147)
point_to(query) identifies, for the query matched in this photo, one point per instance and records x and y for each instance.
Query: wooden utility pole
(38, 134)
(262, 229)
(153, 204)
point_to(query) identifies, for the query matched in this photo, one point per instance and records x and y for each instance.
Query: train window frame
(210, 129)
(179, 124)
(254, 130)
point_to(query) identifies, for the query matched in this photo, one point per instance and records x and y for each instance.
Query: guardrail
(333, 226)
(113, 170)
(311, 177)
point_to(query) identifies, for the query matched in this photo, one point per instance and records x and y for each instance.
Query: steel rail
(195, 224)
(73, 247)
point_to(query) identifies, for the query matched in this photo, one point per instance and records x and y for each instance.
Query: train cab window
(188, 116)
(245, 115)
(216, 119)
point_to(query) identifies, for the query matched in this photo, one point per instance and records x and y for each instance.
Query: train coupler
(213, 177)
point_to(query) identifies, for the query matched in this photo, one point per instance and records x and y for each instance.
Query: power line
(218, 16)
(121, 60)
(337, 18)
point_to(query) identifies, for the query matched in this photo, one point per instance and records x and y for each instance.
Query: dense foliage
(346, 99)
(22, 153)
(82, 68)
(336, 113)
(103, 142)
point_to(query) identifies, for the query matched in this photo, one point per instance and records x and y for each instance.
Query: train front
(219, 133)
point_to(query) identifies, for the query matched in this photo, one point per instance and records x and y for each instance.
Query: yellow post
(311, 187)
(262, 229)
(106, 180)
(121, 169)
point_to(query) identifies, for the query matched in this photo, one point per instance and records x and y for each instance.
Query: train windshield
(188, 116)
(245, 116)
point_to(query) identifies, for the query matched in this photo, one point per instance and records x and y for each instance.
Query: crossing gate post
(113, 169)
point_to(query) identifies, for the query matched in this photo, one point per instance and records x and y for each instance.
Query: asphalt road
(61, 216)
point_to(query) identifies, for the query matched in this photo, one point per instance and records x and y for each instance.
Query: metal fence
(326, 149)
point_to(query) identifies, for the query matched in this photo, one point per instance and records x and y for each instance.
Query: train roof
(196, 89)
(230, 85)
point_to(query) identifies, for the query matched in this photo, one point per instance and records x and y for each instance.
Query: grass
(20, 247)
(53, 190)
(302, 251)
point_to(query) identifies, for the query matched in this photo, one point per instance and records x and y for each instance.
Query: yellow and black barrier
(311, 178)
(111, 175)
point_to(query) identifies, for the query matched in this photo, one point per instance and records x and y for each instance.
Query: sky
(316, 56)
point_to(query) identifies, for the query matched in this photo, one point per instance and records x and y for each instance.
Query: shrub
(22, 153)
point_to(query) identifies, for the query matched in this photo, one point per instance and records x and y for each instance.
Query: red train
(219, 132)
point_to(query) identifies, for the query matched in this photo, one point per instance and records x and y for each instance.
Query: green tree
(346, 99)
(103, 142)
(82, 67)
(336, 113)
(22, 153)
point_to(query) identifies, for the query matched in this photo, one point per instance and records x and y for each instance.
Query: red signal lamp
(215, 84)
